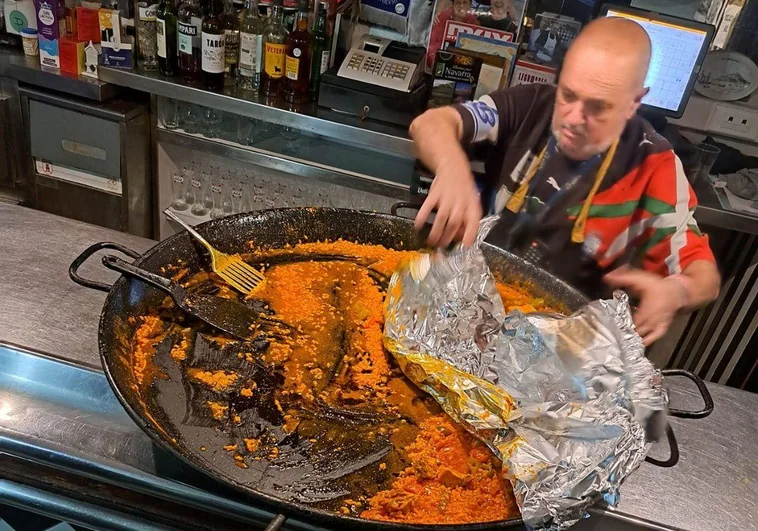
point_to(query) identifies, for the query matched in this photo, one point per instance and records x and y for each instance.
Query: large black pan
(165, 412)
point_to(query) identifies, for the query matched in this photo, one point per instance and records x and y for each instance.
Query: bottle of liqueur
(231, 24)
(251, 47)
(297, 63)
(321, 49)
(274, 43)
(213, 49)
(166, 29)
(188, 29)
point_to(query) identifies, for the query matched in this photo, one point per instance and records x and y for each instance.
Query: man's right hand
(436, 135)
(456, 199)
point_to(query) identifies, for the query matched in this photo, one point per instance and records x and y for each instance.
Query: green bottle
(166, 29)
(321, 49)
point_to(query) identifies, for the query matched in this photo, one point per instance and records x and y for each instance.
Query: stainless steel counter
(40, 307)
(15, 65)
(714, 486)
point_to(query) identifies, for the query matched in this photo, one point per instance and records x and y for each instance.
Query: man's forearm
(436, 135)
(702, 284)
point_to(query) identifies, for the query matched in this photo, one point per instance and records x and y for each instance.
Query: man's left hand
(660, 300)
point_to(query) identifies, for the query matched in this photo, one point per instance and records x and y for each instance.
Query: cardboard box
(118, 54)
(109, 21)
(72, 56)
(51, 26)
(87, 25)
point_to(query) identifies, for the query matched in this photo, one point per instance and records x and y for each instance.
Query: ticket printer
(379, 80)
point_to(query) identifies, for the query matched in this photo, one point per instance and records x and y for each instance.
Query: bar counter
(714, 485)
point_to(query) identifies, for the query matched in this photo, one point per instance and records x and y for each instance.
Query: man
(459, 11)
(500, 17)
(546, 43)
(586, 187)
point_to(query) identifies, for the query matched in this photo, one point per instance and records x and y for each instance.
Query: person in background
(501, 17)
(546, 44)
(460, 11)
(585, 187)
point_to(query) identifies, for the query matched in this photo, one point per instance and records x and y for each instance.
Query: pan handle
(403, 205)
(73, 270)
(674, 451)
(707, 399)
(117, 264)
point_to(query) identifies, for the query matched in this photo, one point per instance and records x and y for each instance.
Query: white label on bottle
(324, 60)
(160, 29)
(147, 13)
(251, 48)
(189, 35)
(213, 53)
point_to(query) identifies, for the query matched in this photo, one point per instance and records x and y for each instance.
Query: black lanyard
(525, 221)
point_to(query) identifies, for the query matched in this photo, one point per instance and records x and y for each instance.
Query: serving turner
(226, 315)
(230, 267)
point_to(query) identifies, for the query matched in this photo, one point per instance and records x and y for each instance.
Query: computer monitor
(679, 48)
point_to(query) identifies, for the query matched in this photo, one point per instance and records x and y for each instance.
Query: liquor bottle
(298, 60)
(251, 47)
(166, 28)
(188, 30)
(213, 49)
(275, 47)
(231, 24)
(320, 55)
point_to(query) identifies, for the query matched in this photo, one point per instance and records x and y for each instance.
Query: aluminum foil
(569, 404)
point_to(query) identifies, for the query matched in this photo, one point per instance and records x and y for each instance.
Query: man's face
(499, 7)
(461, 9)
(594, 100)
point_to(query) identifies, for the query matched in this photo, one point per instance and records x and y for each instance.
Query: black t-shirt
(517, 123)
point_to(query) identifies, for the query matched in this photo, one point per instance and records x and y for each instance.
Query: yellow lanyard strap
(516, 201)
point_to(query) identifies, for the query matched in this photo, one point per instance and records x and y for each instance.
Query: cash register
(379, 80)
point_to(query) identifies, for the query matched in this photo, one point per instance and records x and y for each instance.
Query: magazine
(493, 19)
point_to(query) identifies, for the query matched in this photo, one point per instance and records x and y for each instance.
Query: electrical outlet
(733, 120)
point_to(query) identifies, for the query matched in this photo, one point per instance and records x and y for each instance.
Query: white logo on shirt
(644, 140)
(551, 182)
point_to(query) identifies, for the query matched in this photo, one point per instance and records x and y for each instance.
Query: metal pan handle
(674, 451)
(707, 399)
(73, 270)
(117, 264)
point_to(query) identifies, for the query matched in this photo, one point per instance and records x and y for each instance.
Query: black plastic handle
(117, 264)
(707, 399)
(73, 270)
(674, 451)
(403, 205)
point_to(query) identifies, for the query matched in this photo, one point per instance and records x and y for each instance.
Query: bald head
(601, 86)
(619, 43)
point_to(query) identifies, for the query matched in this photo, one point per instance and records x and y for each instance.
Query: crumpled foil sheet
(565, 402)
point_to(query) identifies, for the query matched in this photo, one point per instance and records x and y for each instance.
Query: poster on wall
(492, 19)
(550, 38)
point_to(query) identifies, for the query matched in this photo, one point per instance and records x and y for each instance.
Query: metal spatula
(227, 315)
(235, 272)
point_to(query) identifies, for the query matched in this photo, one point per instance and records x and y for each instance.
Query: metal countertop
(713, 487)
(14, 64)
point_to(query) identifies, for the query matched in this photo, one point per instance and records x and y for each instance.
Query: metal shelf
(308, 117)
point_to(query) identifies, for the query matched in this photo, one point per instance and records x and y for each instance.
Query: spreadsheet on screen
(675, 53)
